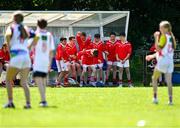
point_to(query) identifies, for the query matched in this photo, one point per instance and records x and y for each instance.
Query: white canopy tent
(66, 23)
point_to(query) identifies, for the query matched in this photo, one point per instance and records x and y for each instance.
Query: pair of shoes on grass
(27, 106)
(11, 105)
(155, 101)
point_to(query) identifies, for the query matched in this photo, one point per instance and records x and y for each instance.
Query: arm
(160, 41)
(52, 47)
(150, 57)
(34, 42)
(78, 38)
(174, 41)
(117, 57)
(129, 52)
(50, 58)
(8, 35)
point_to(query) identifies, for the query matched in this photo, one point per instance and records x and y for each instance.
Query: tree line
(145, 15)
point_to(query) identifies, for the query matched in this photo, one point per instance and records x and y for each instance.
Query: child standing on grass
(44, 47)
(165, 44)
(17, 36)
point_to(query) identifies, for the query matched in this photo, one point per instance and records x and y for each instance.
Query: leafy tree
(144, 14)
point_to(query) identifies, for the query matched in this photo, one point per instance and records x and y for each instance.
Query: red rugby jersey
(123, 49)
(87, 57)
(83, 44)
(61, 52)
(5, 56)
(100, 48)
(110, 48)
(71, 50)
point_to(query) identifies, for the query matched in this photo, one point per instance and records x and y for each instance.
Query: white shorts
(112, 63)
(58, 66)
(125, 65)
(20, 62)
(165, 66)
(95, 66)
(61, 66)
(85, 66)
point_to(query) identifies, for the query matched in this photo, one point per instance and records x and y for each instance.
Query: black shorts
(39, 74)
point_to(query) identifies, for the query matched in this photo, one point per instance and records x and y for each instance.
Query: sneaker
(9, 105)
(27, 106)
(114, 83)
(93, 83)
(81, 84)
(170, 103)
(43, 104)
(155, 101)
(130, 85)
(120, 85)
(107, 83)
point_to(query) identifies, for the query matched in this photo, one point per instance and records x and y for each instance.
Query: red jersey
(5, 56)
(71, 50)
(99, 47)
(153, 48)
(110, 48)
(123, 49)
(87, 57)
(61, 53)
(80, 55)
(83, 44)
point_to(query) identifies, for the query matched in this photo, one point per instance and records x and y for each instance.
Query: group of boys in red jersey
(90, 61)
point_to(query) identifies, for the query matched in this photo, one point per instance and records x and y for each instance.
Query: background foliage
(144, 18)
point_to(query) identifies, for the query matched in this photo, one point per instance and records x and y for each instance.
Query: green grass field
(93, 107)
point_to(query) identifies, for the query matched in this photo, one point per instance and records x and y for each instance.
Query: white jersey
(43, 47)
(164, 57)
(167, 52)
(16, 43)
(18, 48)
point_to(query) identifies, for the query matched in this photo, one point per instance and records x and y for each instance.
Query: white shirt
(43, 47)
(16, 43)
(167, 52)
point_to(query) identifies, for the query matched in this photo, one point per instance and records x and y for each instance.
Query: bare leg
(114, 73)
(120, 74)
(74, 71)
(69, 68)
(168, 77)
(83, 76)
(155, 78)
(100, 74)
(39, 81)
(78, 66)
(108, 72)
(24, 75)
(128, 74)
(11, 73)
(44, 86)
(1, 68)
(128, 77)
(60, 76)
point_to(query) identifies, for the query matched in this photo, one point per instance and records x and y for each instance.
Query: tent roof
(66, 18)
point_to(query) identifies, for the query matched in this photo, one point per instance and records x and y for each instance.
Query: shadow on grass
(53, 106)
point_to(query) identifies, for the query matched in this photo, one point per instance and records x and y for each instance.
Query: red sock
(120, 81)
(65, 79)
(114, 80)
(129, 81)
(73, 78)
(95, 79)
